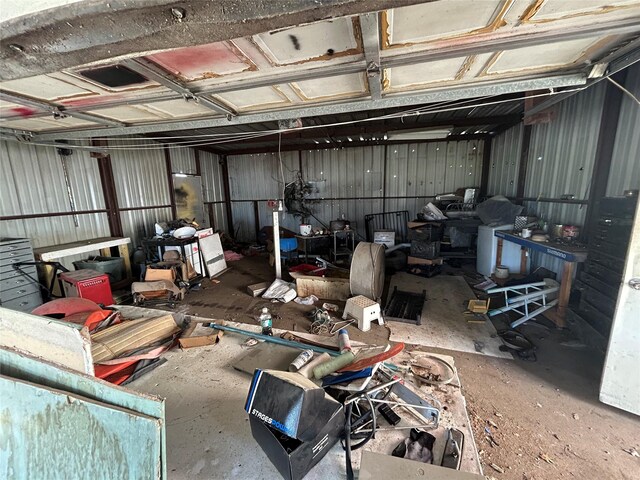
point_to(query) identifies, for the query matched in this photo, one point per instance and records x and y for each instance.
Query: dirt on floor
(532, 420)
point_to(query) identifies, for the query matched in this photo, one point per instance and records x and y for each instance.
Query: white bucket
(305, 229)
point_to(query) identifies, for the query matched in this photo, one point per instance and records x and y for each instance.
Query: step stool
(364, 310)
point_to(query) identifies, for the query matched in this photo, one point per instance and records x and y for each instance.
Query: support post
(276, 242)
(604, 151)
(227, 194)
(524, 161)
(172, 193)
(486, 167)
(108, 190)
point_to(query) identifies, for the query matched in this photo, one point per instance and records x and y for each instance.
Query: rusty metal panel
(140, 175)
(505, 162)
(625, 161)
(183, 160)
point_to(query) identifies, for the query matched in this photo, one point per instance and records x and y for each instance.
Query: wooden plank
(64, 343)
(123, 251)
(568, 270)
(376, 465)
(53, 252)
(50, 430)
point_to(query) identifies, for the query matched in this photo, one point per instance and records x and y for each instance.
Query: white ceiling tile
(127, 113)
(540, 56)
(44, 87)
(423, 73)
(551, 9)
(318, 41)
(253, 97)
(38, 124)
(332, 87)
(429, 21)
(179, 108)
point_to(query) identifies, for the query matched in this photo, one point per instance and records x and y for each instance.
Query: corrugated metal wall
(257, 178)
(183, 160)
(213, 188)
(140, 177)
(32, 182)
(351, 181)
(625, 162)
(562, 156)
(505, 162)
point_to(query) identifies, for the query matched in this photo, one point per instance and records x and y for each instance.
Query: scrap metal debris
(545, 457)
(496, 468)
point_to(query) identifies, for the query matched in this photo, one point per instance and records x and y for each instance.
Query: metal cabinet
(600, 279)
(18, 288)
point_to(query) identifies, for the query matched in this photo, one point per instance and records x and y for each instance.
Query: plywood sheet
(443, 323)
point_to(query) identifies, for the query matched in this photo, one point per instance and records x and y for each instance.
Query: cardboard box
(293, 420)
(257, 289)
(325, 288)
(385, 237)
(424, 261)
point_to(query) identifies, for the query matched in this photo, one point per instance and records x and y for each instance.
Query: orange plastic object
(367, 362)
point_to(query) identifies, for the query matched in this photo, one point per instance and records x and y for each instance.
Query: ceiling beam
(370, 31)
(380, 128)
(55, 110)
(151, 71)
(241, 150)
(465, 91)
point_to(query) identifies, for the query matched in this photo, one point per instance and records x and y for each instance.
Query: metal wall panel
(428, 169)
(183, 160)
(138, 224)
(244, 225)
(212, 177)
(505, 162)
(562, 152)
(258, 176)
(140, 176)
(33, 180)
(625, 161)
(219, 216)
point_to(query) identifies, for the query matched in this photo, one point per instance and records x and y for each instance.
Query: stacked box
(428, 250)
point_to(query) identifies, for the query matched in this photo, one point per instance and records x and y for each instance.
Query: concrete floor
(544, 409)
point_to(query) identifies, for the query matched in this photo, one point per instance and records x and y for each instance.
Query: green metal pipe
(276, 340)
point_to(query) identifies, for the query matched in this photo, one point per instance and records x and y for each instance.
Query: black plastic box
(293, 420)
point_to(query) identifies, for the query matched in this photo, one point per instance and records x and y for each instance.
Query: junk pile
(122, 349)
(335, 391)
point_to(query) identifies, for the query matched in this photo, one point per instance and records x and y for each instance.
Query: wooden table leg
(499, 252)
(523, 260)
(123, 250)
(568, 269)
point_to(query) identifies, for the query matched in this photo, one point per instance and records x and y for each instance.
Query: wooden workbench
(569, 254)
(103, 244)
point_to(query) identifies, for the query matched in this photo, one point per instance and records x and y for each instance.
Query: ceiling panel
(430, 21)
(126, 113)
(333, 87)
(179, 108)
(204, 61)
(424, 73)
(45, 87)
(48, 123)
(542, 56)
(254, 97)
(317, 41)
(552, 9)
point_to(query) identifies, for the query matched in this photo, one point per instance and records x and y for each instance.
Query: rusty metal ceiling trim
(485, 88)
(370, 31)
(56, 110)
(153, 72)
